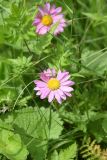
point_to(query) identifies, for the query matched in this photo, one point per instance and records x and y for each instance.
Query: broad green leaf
(39, 123)
(11, 145)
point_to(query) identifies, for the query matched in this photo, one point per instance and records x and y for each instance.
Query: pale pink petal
(61, 75)
(68, 94)
(38, 93)
(57, 18)
(44, 77)
(63, 97)
(47, 7)
(36, 21)
(66, 89)
(52, 10)
(58, 10)
(40, 84)
(39, 26)
(68, 83)
(53, 72)
(58, 30)
(60, 92)
(50, 72)
(51, 96)
(58, 97)
(45, 93)
(55, 11)
(43, 30)
(35, 81)
(36, 88)
(41, 11)
(65, 78)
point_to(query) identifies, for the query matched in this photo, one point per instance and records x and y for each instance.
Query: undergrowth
(33, 129)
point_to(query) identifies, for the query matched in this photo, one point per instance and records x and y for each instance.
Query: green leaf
(104, 125)
(94, 61)
(96, 129)
(54, 156)
(42, 43)
(36, 126)
(68, 153)
(11, 145)
(37, 147)
(50, 125)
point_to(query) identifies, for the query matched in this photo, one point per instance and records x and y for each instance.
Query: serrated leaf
(69, 153)
(50, 125)
(54, 156)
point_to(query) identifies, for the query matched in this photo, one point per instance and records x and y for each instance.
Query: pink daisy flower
(47, 17)
(54, 85)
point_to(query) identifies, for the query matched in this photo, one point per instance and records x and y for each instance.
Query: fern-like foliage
(104, 154)
(93, 151)
(68, 153)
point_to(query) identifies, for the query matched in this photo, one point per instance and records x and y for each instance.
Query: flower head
(47, 17)
(54, 85)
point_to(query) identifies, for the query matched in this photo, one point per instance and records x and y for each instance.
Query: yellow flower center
(47, 20)
(53, 84)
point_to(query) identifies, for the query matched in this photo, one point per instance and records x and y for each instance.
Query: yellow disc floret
(53, 84)
(47, 20)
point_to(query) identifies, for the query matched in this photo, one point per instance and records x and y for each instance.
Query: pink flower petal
(68, 94)
(61, 75)
(57, 18)
(44, 77)
(63, 97)
(36, 21)
(65, 78)
(60, 92)
(68, 83)
(39, 26)
(45, 93)
(38, 93)
(58, 30)
(66, 89)
(55, 10)
(57, 96)
(37, 89)
(51, 96)
(58, 10)
(47, 7)
(43, 30)
(40, 84)
(41, 10)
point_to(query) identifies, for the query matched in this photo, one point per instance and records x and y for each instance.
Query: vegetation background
(32, 129)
